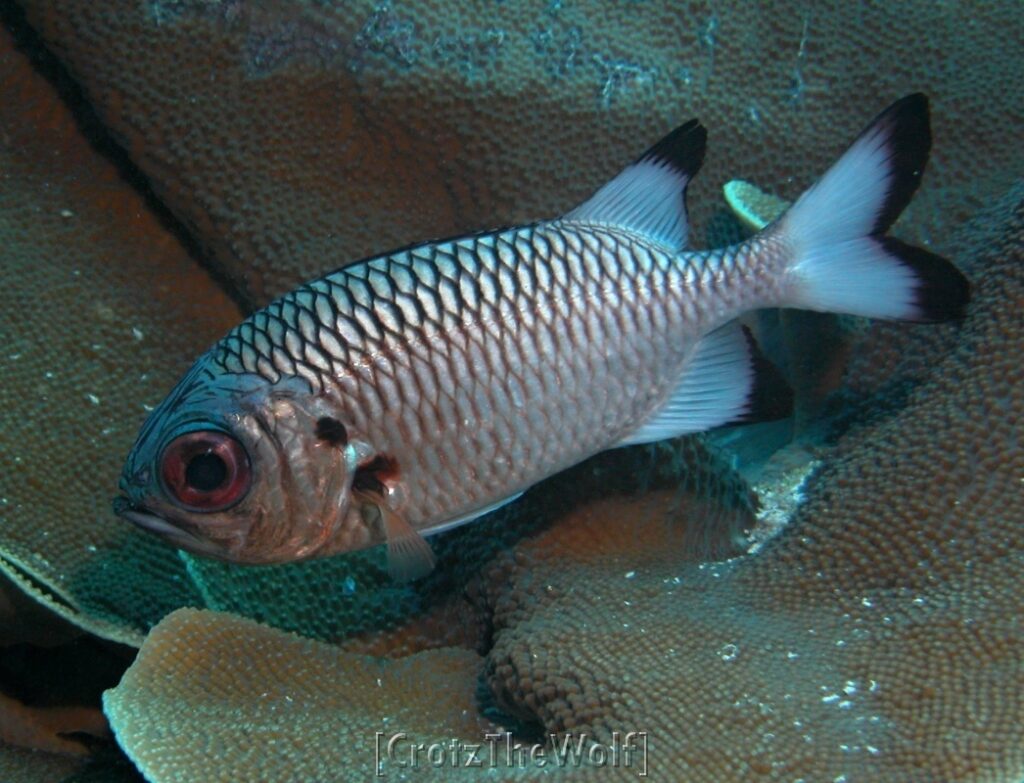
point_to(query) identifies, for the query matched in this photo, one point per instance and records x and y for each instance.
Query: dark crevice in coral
(27, 581)
(846, 411)
(75, 673)
(522, 731)
(107, 764)
(31, 44)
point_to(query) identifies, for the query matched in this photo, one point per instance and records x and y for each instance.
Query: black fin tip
(942, 292)
(683, 148)
(906, 129)
(771, 396)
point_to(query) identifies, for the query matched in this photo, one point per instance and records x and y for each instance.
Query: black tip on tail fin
(905, 130)
(942, 292)
(843, 263)
(771, 396)
(682, 149)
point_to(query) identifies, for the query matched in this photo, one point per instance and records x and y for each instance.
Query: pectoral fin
(409, 555)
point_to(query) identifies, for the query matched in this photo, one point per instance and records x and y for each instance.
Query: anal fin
(726, 381)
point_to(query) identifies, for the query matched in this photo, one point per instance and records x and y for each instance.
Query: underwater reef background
(168, 166)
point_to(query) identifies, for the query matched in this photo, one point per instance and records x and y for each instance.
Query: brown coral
(99, 346)
(272, 706)
(897, 588)
(839, 650)
(100, 309)
(296, 137)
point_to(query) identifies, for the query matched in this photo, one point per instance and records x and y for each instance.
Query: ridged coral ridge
(296, 137)
(100, 308)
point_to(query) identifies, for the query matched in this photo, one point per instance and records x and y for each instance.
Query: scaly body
(463, 359)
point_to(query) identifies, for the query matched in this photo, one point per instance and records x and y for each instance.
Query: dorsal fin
(726, 381)
(649, 196)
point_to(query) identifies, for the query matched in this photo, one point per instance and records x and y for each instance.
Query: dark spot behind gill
(331, 431)
(375, 474)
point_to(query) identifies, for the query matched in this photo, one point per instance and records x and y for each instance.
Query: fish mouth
(165, 529)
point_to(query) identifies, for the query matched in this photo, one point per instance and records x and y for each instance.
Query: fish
(402, 395)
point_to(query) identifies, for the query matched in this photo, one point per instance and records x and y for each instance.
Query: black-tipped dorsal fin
(649, 196)
(726, 381)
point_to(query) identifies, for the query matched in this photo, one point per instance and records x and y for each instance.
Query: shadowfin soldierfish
(405, 394)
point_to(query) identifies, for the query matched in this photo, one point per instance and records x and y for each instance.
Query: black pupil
(205, 472)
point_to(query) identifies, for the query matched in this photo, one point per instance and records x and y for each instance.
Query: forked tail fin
(843, 262)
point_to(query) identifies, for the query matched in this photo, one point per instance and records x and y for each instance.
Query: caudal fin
(843, 262)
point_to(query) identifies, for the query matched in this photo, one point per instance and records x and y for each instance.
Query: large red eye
(205, 470)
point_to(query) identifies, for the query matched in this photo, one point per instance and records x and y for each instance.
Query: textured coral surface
(296, 136)
(279, 707)
(100, 309)
(878, 637)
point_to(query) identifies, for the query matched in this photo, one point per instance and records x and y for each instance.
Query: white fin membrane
(843, 263)
(726, 381)
(649, 196)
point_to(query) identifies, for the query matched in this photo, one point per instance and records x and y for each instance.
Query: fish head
(239, 468)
